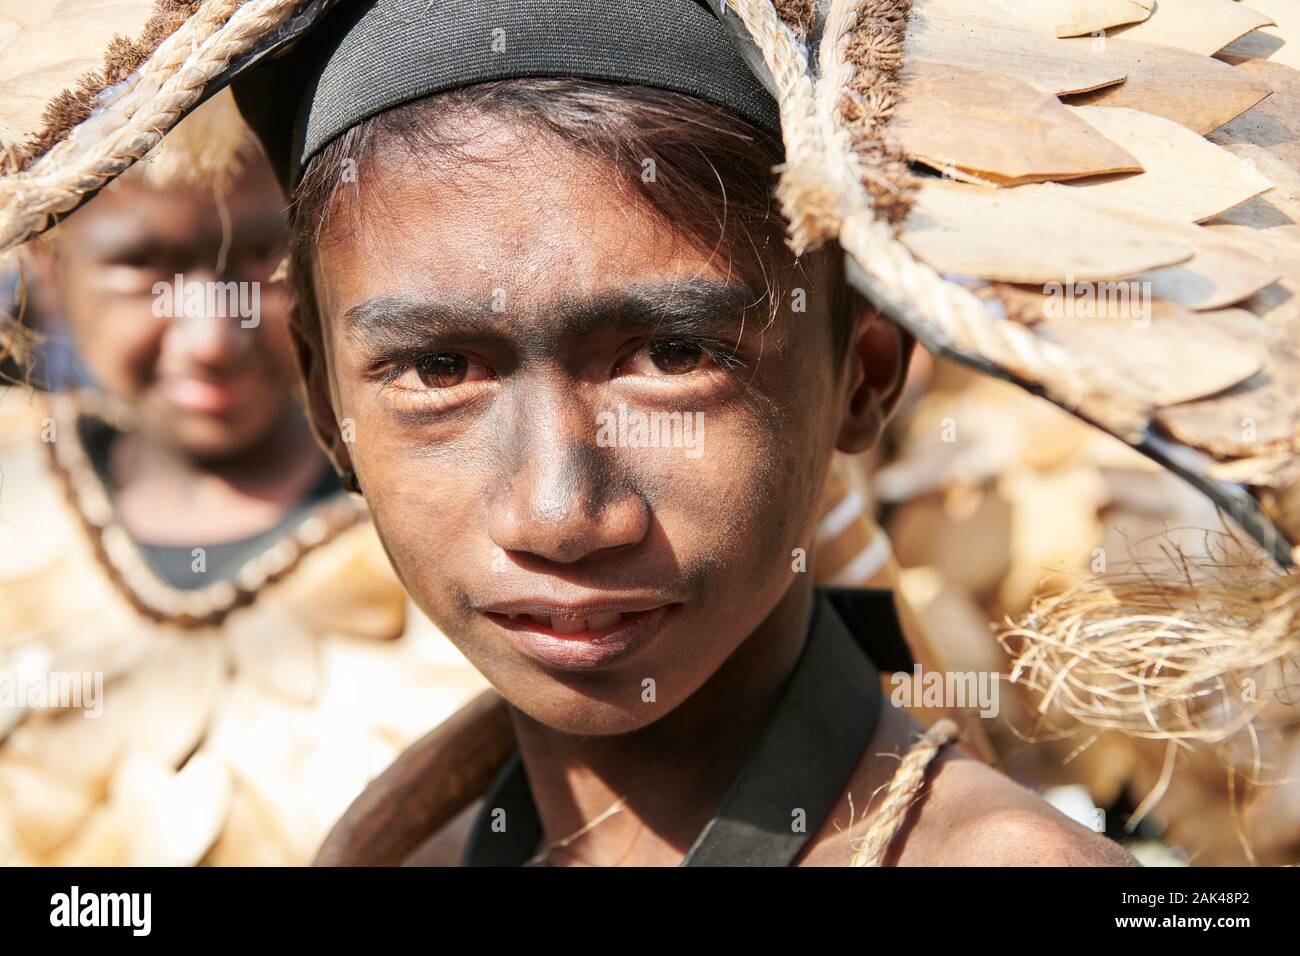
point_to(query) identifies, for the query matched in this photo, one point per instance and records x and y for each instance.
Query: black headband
(367, 57)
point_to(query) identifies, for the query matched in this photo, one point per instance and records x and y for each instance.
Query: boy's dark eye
(665, 357)
(442, 371)
(675, 356)
(442, 380)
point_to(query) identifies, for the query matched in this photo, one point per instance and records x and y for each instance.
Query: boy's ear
(309, 354)
(879, 353)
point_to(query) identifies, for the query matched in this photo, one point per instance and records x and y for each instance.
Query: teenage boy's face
(495, 337)
(210, 370)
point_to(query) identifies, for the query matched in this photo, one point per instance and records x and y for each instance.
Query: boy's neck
(162, 493)
(672, 774)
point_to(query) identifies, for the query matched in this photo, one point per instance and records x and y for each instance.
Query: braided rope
(901, 795)
(173, 51)
(842, 207)
(146, 107)
(804, 189)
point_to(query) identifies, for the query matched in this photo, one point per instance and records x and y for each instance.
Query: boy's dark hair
(713, 174)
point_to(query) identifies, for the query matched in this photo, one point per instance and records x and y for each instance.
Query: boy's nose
(202, 333)
(209, 340)
(567, 502)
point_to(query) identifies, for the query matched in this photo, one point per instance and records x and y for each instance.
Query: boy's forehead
(500, 174)
(133, 210)
(529, 232)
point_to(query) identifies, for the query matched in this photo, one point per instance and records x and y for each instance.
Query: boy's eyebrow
(692, 306)
(684, 308)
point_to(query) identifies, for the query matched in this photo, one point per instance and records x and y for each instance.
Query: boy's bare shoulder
(980, 817)
(967, 814)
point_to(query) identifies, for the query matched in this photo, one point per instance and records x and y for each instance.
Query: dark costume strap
(804, 758)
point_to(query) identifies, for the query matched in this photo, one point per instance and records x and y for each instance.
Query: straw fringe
(1189, 651)
(904, 788)
(798, 15)
(870, 36)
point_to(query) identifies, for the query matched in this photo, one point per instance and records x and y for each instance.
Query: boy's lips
(205, 396)
(580, 636)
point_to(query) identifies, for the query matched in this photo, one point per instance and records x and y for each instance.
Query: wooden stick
(426, 787)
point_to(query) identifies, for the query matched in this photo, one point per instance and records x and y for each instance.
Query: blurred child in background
(206, 651)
